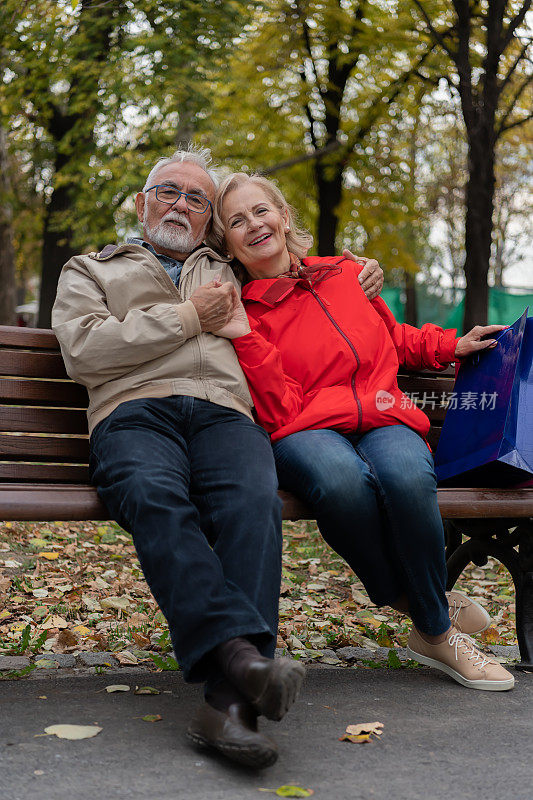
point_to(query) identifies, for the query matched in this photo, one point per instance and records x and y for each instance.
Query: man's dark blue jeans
(195, 484)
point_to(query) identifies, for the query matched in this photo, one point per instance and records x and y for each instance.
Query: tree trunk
(478, 228)
(411, 307)
(56, 252)
(329, 192)
(7, 253)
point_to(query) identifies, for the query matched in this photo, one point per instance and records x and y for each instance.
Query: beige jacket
(126, 331)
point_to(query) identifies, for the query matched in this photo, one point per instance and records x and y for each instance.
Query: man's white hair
(197, 155)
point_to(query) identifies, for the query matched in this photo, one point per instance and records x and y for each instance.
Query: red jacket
(321, 355)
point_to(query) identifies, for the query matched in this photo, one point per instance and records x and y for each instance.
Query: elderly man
(175, 454)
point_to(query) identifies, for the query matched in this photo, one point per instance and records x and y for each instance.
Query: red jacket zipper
(350, 345)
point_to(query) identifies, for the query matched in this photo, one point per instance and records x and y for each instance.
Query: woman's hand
(471, 341)
(370, 277)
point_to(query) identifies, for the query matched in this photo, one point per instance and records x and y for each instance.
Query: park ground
(77, 587)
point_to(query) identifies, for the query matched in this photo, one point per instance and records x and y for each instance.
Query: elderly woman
(321, 361)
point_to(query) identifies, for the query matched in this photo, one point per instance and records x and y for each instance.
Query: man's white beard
(168, 236)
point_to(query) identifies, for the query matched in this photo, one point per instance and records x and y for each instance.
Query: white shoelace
(455, 616)
(461, 640)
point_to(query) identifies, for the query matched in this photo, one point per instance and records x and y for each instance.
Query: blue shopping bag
(489, 423)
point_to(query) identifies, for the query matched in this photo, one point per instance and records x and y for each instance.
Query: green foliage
(166, 664)
(93, 93)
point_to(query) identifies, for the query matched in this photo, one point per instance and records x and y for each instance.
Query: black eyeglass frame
(180, 194)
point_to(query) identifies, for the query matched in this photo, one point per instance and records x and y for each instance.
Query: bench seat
(44, 451)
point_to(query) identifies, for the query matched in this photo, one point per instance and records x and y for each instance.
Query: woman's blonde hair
(298, 239)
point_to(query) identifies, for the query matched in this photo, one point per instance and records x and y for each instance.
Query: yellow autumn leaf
(82, 630)
(490, 636)
(359, 739)
(48, 555)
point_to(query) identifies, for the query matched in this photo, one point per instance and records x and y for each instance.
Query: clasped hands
(220, 310)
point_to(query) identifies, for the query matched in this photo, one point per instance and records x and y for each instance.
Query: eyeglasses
(168, 195)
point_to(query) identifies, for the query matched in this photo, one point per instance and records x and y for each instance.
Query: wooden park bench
(44, 473)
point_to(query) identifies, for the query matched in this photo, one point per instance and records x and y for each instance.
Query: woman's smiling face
(254, 231)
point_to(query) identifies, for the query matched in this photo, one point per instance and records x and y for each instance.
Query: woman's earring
(287, 229)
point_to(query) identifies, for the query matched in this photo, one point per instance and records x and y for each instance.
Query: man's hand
(370, 277)
(238, 324)
(471, 341)
(214, 302)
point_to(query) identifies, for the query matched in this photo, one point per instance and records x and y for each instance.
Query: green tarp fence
(505, 306)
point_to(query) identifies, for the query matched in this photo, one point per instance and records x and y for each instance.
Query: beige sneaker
(459, 657)
(466, 615)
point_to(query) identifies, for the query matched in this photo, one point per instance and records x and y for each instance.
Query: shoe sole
(256, 756)
(480, 608)
(487, 686)
(281, 689)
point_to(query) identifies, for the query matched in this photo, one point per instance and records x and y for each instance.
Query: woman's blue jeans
(375, 501)
(195, 484)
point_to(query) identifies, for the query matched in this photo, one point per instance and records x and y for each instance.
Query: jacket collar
(305, 274)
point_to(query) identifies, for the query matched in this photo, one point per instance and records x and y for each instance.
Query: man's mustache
(175, 216)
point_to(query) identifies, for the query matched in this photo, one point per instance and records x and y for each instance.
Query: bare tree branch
(291, 162)
(512, 104)
(518, 59)
(513, 25)
(437, 36)
(516, 123)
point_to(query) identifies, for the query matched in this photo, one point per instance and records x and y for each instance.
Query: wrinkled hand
(238, 324)
(214, 302)
(370, 277)
(471, 341)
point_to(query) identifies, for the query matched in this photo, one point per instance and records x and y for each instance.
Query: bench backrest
(43, 422)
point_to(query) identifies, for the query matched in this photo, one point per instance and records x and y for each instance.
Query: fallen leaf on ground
(146, 690)
(54, 622)
(117, 687)
(349, 737)
(126, 657)
(152, 718)
(82, 630)
(66, 639)
(116, 603)
(48, 555)
(365, 727)
(72, 731)
(290, 791)
(490, 636)
(362, 732)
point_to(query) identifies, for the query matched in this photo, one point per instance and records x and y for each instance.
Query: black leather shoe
(233, 733)
(272, 685)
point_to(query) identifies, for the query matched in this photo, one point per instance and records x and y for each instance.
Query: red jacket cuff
(447, 347)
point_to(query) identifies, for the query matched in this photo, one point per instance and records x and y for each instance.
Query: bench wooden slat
(50, 502)
(19, 472)
(424, 383)
(42, 338)
(22, 363)
(55, 502)
(43, 392)
(43, 448)
(42, 420)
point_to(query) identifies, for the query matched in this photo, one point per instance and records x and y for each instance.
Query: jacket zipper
(350, 345)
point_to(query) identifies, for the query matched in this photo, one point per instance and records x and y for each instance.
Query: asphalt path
(439, 740)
